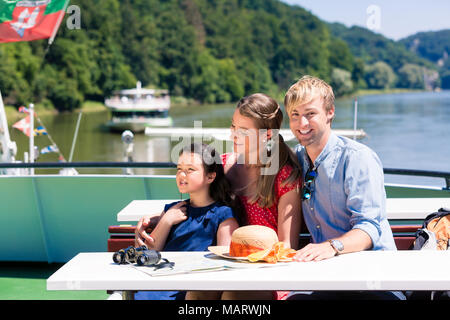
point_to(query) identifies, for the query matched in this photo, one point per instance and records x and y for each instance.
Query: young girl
(205, 219)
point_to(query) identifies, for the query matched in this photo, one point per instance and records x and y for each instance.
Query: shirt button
(312, 208)
(318, 227)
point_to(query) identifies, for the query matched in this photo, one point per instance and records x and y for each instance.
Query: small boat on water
(137, 108)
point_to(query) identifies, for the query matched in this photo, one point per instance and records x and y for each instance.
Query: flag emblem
(28, 20)
(23, 125)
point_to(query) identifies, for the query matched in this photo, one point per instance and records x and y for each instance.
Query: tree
(358, 74)
(379, 76)
(340, 56)
(341, 81)
(411, 76)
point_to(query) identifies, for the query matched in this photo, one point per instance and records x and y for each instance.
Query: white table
(396, 208)
(368, 270)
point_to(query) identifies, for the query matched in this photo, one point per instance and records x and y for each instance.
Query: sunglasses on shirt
(308, 184)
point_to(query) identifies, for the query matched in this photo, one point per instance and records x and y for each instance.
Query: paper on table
(208, 264)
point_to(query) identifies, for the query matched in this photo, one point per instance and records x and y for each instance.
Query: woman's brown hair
(266, 114)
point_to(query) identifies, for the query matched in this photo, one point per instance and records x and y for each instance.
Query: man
(343, 193)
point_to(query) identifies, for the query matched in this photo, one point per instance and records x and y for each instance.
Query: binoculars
(142, 256)
(127, 255)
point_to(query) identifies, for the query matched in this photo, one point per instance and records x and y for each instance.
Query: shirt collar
(333, 140)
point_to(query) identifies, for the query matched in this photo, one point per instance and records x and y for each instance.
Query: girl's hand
(175, 214)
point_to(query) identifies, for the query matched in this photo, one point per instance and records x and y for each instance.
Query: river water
(406, 130)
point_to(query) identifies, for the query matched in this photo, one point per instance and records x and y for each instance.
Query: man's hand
(315, 252)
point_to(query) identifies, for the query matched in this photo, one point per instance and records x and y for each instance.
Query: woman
(263, 173)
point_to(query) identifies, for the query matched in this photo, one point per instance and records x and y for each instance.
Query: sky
(395, 19)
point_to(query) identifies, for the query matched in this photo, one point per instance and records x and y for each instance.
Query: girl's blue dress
(196, 233)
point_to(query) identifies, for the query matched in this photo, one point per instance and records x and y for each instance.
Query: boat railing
(421, 173)
(138, 103)
(171, 165)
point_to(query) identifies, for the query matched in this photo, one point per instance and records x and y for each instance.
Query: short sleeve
(364, 186)
(224, 213)
(170, 205)
(282, 175)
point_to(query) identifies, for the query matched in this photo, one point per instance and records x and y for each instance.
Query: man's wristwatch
(337, 245)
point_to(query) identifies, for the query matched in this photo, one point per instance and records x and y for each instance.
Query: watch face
(338, 245)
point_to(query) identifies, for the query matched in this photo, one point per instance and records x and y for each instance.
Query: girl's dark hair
(220, 189)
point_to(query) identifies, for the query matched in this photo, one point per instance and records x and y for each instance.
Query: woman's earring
(269, 146)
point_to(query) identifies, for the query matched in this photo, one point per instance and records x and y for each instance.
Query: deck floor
(27, 281)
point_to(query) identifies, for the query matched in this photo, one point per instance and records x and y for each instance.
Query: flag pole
(31, 137)
(61, 16)
(55, 30)
(75, 137)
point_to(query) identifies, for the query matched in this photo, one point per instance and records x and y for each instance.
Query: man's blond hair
(305, 90)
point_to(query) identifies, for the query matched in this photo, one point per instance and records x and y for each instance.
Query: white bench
(396, 208)
(136, 209)
(414, 208)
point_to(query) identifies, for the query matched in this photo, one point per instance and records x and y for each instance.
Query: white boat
(137, 108)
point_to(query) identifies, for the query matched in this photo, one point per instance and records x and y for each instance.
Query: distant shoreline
(367, 92)
(95, 106)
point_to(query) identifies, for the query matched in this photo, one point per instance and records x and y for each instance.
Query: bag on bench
(435, 232)
(434, 235)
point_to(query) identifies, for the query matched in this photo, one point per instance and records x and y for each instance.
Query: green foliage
(204, 50)
(340, 55)
(358, 74)
(380, 76)
(372, 47)
(411, 76)
(433, 45)
(341, 81)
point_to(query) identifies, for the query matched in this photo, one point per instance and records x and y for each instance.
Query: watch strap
(335, 249)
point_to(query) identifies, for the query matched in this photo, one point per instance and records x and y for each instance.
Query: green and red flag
(26, 20)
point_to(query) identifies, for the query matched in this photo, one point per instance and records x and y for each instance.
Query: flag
(23, 109)
(28, 20)
(49, 149)
(40, 131)
(23, 125)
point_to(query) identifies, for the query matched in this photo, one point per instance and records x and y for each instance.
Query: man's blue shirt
(348, 193)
